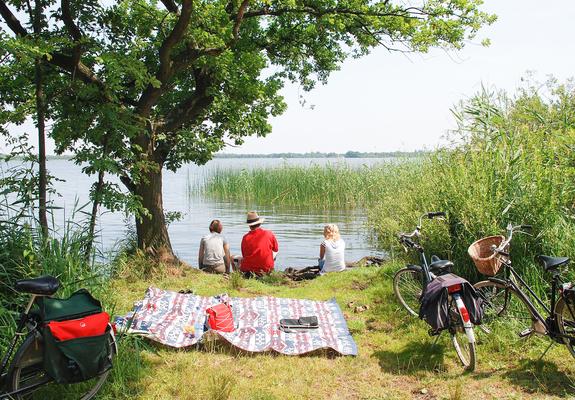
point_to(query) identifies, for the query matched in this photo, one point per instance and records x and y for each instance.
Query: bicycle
(410, 282)
(506, 297)
(23, 375)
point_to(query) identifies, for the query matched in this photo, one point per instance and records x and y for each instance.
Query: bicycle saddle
(440, 266)
(552, 263)
(44, 285)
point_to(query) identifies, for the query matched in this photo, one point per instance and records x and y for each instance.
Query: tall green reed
(329, 186)
(512, 160)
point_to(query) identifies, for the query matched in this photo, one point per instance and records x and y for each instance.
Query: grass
(397, 359)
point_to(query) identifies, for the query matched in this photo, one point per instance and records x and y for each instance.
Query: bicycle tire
(27, 369)
(464, 347)
(565, 317)
(501, 300)
(408, 286)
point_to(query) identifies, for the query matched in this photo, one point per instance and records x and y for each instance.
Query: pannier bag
(77, 337)
(79, 304)
(434, 307)
(220, 318)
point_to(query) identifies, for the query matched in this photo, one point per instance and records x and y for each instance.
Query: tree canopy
(138, 85)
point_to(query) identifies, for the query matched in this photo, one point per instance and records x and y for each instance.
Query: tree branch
(65, 62)
(11, 20)
(171, 6)
(320, 13)
(151, 94)
(239, 18)
(69, 21)
(75, 32)
(186, 112)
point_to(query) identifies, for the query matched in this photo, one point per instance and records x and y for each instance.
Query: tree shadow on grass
(414, 357)
(540, 376)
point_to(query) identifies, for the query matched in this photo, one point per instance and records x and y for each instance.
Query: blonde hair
(331, 231)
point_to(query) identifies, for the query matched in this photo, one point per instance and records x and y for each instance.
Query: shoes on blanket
(301, 324)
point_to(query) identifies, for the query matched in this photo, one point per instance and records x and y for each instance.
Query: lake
(298, 229)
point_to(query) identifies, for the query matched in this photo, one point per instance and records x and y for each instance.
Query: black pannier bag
(434, 308)
(75, 359)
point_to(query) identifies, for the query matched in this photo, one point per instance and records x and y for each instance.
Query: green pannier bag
(77, 359)
(78, 305)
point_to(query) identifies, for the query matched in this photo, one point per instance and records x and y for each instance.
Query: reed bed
(331, 186)
(512, 159)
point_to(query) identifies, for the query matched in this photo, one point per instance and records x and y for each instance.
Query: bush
(512, 161)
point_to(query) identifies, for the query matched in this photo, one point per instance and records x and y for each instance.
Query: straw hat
(254, 219)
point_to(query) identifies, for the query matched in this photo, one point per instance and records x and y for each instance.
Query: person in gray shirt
(214, 254)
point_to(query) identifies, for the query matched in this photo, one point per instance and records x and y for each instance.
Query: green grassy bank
(397, 359)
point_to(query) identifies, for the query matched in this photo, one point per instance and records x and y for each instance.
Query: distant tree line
(317, 154)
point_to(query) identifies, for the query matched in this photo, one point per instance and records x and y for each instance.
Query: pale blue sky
(390, 101)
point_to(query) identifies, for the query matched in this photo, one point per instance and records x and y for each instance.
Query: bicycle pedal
(526, 332)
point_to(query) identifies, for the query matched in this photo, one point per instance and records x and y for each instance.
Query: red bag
(220, 317)
(92, 325)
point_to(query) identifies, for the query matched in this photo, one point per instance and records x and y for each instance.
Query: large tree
(138, 86)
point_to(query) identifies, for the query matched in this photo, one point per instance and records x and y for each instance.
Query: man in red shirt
(258, 247)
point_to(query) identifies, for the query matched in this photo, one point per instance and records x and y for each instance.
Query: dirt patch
(357, 285)
(377, 325)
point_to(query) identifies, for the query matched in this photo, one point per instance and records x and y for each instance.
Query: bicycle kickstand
(545, 352)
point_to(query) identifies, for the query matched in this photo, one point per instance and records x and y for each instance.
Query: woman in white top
(331, 250)
(214, 254)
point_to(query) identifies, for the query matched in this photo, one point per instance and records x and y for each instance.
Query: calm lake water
(298, 229)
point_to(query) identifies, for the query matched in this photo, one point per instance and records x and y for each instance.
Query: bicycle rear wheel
(462, 338)
(408, 286)
(502, 304)
(565, 316)
(28, 376)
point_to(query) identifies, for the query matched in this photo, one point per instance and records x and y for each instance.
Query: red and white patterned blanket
(177, 320)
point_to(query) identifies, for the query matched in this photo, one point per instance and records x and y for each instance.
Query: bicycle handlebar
(510, 231)
(405, 238)
(435, 214)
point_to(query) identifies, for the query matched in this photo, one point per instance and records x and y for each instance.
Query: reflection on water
(298, 229)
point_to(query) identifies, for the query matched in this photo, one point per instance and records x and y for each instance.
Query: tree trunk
(42, 179)
(152, 230)
(40, 115)
(94, 214)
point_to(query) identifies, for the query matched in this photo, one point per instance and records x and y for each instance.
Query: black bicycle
(510, 297)
(409, 284)
(22, 373)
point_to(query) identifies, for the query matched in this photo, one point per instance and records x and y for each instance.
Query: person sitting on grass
(259, 247)
(214, 254)
(331, 250)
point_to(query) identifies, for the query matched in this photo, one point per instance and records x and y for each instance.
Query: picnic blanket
(177, 320)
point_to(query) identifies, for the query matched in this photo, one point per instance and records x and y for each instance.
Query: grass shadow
(541, 376)
(412, 358)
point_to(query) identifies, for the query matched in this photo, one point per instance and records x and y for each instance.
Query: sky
(393, 102)
(397, 102)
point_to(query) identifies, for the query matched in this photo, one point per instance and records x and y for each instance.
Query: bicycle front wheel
(408, 286)
(565, 317)
(502, 304)
(29, 378)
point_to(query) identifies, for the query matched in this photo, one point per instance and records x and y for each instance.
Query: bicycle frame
(25, 317)
(517, 283)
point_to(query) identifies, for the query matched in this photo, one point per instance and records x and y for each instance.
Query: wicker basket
(487, 262)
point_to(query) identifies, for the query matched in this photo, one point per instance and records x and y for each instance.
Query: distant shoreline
(349, 154)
